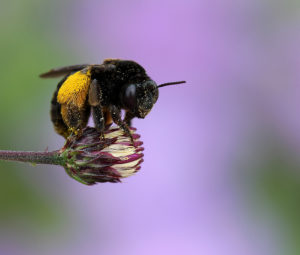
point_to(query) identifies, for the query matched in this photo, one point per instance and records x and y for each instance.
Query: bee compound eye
(130, 96)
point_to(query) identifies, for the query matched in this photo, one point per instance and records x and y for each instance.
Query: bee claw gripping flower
(90, 159)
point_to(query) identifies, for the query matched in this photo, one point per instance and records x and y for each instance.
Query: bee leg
(95, 99)
(98, 119)
(128, 117)
(75, 118)
(75, 133)
(116, 116)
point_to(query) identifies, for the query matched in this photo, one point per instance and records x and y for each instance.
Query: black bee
(103, 89)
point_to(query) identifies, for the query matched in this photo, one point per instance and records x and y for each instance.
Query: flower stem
(49, 158)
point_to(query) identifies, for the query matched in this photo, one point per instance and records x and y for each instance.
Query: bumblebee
(103, 90)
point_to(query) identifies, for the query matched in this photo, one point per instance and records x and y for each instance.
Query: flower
(90, 159)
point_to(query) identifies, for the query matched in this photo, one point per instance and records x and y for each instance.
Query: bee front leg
(116, 116)
(128, 117)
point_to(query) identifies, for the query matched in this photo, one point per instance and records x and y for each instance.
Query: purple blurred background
(203, 186)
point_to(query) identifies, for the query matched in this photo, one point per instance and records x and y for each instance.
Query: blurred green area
(29, 45)
(280, 191)
(273, 182)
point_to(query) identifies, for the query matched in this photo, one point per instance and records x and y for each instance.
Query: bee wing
(62, 71)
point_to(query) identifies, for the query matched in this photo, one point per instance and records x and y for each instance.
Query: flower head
(90, 159)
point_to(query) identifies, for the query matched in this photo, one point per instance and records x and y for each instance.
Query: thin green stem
(49, 158)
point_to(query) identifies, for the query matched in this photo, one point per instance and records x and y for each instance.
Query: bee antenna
(170, 83)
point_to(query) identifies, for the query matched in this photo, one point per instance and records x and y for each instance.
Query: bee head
(139, 98)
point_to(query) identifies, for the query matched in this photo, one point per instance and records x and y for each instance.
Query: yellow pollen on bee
(75, 89)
